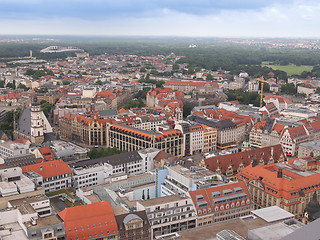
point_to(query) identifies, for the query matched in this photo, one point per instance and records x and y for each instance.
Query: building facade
(169, 214)
(126, 138)
(289, 185)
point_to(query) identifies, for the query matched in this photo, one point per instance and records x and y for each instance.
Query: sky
(185, 18)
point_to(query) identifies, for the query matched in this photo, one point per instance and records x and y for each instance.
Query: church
(33, 124)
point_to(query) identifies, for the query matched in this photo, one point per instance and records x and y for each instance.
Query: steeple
(37, 125)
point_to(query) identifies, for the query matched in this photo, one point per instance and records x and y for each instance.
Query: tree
(187, 107)
(102, 152)
(143, 196)
(134, 104)
(289, 88)
(46, 107)
(143, 69)
(318, 90)
(65, 82)
(175, 67)
(209, 77)
(1, 84)
(99, 82)
(22, 86)
(142, 93)
(11, 85)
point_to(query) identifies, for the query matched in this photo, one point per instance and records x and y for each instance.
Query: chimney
(279, 174)
(41, 168)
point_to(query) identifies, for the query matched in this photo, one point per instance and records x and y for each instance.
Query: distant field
(290, 69)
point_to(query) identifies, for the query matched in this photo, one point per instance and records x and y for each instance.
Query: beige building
(309, 149)
(127, 138)
(209, 138)
(265, 133)
(308, 90)
(253, 86)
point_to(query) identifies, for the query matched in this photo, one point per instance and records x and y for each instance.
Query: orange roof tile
(90, 221)
(281, 187)
(48, 169)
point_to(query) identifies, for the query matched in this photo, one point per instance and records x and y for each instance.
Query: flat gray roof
(272, 214)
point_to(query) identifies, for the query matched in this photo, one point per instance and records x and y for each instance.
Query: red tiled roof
(223, 162)
(48, 169)
(283, 186)
(197, 84)
(90, 221)
(23, 141)
(278, 97)
(46, 153)
(209, 195)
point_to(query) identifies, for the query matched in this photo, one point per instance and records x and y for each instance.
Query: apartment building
(197, 138)
(266, 133)
(127, 138)
(292, 137)
(92, 172)
(228, 133)
(168, 214)
(51, 175)
(221, 203)
(209, 138)
(90, 131)
(288, 185)
(179, 180)
(253, 86)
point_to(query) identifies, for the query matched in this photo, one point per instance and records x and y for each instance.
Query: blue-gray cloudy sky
(203, 18)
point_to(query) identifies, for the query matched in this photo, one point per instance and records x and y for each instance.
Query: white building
(181, 180)
(253, 86)
(14, 182)
(52, 175)
(101, 170)
(169, 214)
(14, 148)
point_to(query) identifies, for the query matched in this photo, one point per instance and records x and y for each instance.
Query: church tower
(37, 125)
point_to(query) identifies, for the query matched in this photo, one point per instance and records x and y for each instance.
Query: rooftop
(45, 222)
(161, 200)
(272, 214)
(209, 232)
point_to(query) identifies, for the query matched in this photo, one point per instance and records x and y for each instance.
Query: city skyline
(246, 18)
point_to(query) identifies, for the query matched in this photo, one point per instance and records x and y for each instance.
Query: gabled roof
(293, 180)
(24, 123)
(89, 221)
(46, 153)
(48, 169)
(223, 162)
(208, 199)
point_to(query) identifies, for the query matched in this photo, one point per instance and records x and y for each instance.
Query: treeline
(102, 152)
(245, 98)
